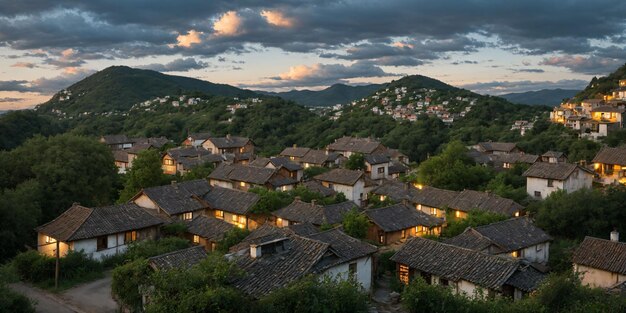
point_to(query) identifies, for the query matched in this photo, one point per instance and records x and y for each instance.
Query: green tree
(20, 211)
(231, 238)
(356, 161)
(201, 171)
(355, 224)
(474, 218)
(146, 172)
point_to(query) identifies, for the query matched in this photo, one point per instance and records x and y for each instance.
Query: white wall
(145, 202)
(578, 180)
(220, 183)
(374, 171)
(539, 184)
(363, 271)
(90, 246)
(538, 253)
(598, 278)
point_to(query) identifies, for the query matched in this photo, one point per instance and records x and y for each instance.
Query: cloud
(228, 24)
(464, 62)
(24, 65)
(277, 18)
(14, 85)
(586, 65)
(528, 70)
(45, 85)
(178, 65)
(192, 37)
(11, 100)
(503, 87)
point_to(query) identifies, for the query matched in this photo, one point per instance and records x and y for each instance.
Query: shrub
(231, 238)
(177, 229)
(126, 280)
(13, 302)
(355, 224)
(150, 248)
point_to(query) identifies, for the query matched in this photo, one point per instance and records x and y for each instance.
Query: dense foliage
(602, 86)
(75, 267)
(231, 238)
(272, 200)
(356, 161)
(474, 218)
(146, 172)
(17, 126)
(355, 224)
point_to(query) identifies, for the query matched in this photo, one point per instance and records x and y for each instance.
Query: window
(102, 243)
(433, 211)
(403, 274)
(457, 213)
(187, 216)
(538, 248)
(49, 239)
(516, 253)
(444, 282)
(403, 234)
(381, 170)
(242, 184)
(538, 194)
(382, 198)
(196, 239)
(168, 162)
(130, 236)
(550, 183)
(279, 222)
(292, 158)
(219, 214)
(352, 270)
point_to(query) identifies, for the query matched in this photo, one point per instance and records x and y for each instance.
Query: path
(45, 302)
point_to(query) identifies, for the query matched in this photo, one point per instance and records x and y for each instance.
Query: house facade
(355, 185)
(399, 222)
(542, 178)
(601, 262)
(610, 165)
(180, 201)
(232, 206)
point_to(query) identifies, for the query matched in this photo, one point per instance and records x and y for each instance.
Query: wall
(539, 184)
(598, 278)
(168, 169)
(373, 169)
(578, 180)
(539, 253)
(220, 183)
(363, 271)
(145, 202)
(50, 248)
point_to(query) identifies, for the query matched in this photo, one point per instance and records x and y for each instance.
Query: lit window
(196, 239)
(242, 184)
(219, 214)
(403, 233)
(515, 254)
(234, 218)
(168, 162)
(403, 274)
(517, 214)
(550, 183)
(279, 222)
(292, 158)
(187, 216)
(130, 236)
(382, 198)
(457, 213)
(49, 239)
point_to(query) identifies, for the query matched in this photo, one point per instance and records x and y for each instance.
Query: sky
(487, 46)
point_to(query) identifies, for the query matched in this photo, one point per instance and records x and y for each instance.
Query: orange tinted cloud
(24, 65)
(277, 18)
(399, 44)
(299, 72)
(228, 24)
(192, 37)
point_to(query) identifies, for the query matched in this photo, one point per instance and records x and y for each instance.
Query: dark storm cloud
(178, 65)
(14, 85)
(502, 87)
(11, 100)
(592, 65)
(45, 85)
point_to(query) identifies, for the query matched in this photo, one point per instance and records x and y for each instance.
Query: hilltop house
(98, 232)
(346, 146)
(465, 271)
(294, 153)
(515, 238)
(117, 142)
(554, 157)
(284, 166)
(207, 231)
(182, 160)
(497, 147)
(244, 177)
(299, 212)
(377, 166)
(176, 200)
(601, 262)
(605, 119)
(196, 139)
(231, 205)
(610, 165)
(398, 222)
(542, 178)
(355, 185)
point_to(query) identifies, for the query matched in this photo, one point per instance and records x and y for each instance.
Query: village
(507, 258)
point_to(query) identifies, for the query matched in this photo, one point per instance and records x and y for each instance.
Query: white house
(98, 232)
(355, 185)
(601, 262)
(377, 165)
(542, 178)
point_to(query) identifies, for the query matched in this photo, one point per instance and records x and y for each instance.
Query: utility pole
(56, 269)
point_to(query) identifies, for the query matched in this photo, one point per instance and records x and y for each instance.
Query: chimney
(228, 136)
(255, 251)
(615, 235)
(174, 184)
(313, 202)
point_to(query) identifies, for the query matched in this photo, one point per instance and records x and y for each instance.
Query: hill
(117, 88)
(335, 94)
(551, 97)
(602, 86)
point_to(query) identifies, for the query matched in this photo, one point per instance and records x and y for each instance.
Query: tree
(474, 218)
(355, 224)
(231, 238)
(146, 172)
(356, 161)
(20, 211)
(201, 171)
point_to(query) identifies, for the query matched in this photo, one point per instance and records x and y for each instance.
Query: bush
(13, 302)
(474, 218)
(355, 224)
(177, 229)
(231, 238)
(150, 248)
(385, 264)
(34, 267)
(75, 267)
(125, 283)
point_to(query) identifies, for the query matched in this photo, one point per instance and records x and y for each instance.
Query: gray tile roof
(399, 216)
(455, 263)
(374, 159)
(608, 155)
(558, 171)
(318, 157)
(397, 168)
(602, 254)
(303, 229)
(553, 154)
(340, 176)
(178, 197)
(286, 163)
(120, 156)
(116, 139)
(250, 174)
(260, 162)
(186, 152)
(352, 144)
(526, 278)
(208, 227)
(467, 200)
(180, 259)
(229, 142)
(497, 146)
(79, 222)
(347, 248)
(508, 235)
(316, 186)
(297, 152)
(230, 200)
(428, 196)
(302, 212)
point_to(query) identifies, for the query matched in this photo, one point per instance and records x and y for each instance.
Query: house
(207, 231)
(271, 258)
(497, 147)
(517, 238)
(377, 166)
(542, 178)
(182, 160)
(610, 165)
(244, 177)
(284, 166)
(346, 146)
(554, 157)
(179, 259)
(601, 262)
(294, 153)
(121, 161)
(465, 271)
(117, 142)
(430, 200)
(398, 222)
(299, 212)
(178, 200)
(507, 161)
(355, 185)
(196, 139)
(320, 158)
(396, 169)
(468, 200)
(396, 155)
(99, 232)
(316, 186)
(240, 146)
(233, 206)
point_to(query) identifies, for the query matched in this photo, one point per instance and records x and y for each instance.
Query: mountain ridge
(334, 94)
(551, 97)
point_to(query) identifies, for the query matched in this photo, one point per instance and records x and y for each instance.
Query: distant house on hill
(347, 146)
(355, 185)
(601, 262)
(554, 157)
(497, 147)
(294, 153)
(542, 178)
(98, 232)
(610, 165)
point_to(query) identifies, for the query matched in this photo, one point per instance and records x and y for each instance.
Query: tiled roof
(526, 278)
(249, 174)
(508, 235)
(467, 200)
(428, 196)
(200, 136)
(229, 142)
(374, 159)
(608, 155)
(295, 152)
(397, 168)
(347, 248)
(303, 229)
(116, 139)
(558, 171)
(263, 233)
(455, 263)
(352, 144)
(302, 212)
(156, 142)
(515, 158)
(177, 153)
(178, 197)
(286, 163)
(318, 157)
(553, 154)
(208, 227)
(399, 216)
(231, 200)
(80, 222)
(608, 108)
(179, 259)
(260, 162)
(120, 156)
(340, 176)
(497, 146)
(602, 254)
(316, 186)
